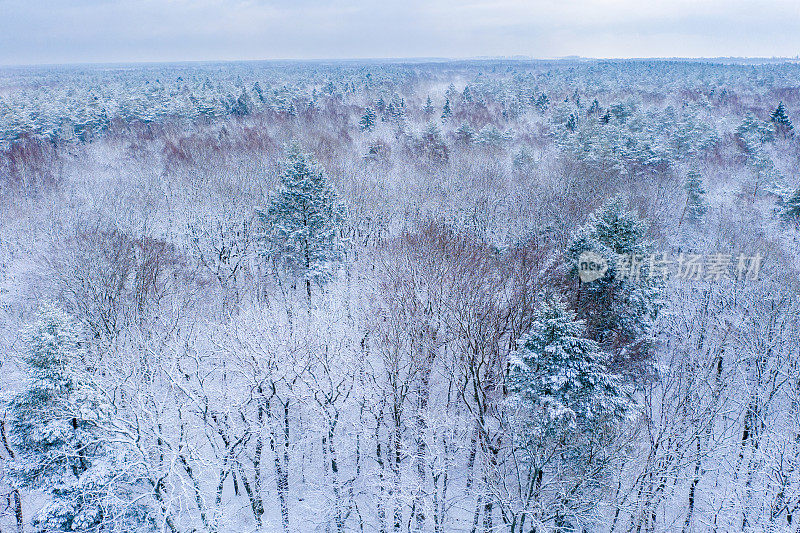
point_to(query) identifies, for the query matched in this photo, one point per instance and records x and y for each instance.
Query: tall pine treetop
(428, 109)
(367, 122)
(558, 370)
(615, 228)
(619, 308)
(303, 219)
(779, 119)
(695, 197)
(446, 111)
(53, 429)
(54, 343)
(791, 209)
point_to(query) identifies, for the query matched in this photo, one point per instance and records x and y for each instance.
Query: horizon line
(409, 59)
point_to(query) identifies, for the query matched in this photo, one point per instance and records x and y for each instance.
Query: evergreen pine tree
(428, 109)
(60, 448)
(563, 375)
(466, 96)
(396, 108)
(367, 122)
(542, 103)
(695, 197)
(753, 133)
(563, 402)
(780, 120)
(465, 134)
(451, 92)
(243, 104)
(572, 122)
(446, 112)
(260, 93)
(791, 209)
(432, 145)
(619, 308)
(303, 220)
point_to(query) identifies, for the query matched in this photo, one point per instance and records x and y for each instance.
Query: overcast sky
(70, 31)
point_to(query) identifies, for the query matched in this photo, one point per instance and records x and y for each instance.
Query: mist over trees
(350, 296)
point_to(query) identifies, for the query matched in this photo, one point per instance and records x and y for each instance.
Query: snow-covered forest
(353, 296)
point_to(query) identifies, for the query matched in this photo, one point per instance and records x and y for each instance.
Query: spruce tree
(572, 122)
(523, 160)
(753, 133)
(396, 108)
(451, 92)
(367, 122)
(446, 111)
(432, 145)
(466, 95)
(780, 120)
(303, 220)
(54, 428)
(791, 209)
(695, 197)
(259, 92)
(428, 109)
(576, 98)
(243, 105)
(542, 103)
(465, 134)
(563, 375)
(620, 307)
(564, 404)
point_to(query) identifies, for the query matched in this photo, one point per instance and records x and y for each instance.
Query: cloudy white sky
(70, 31)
